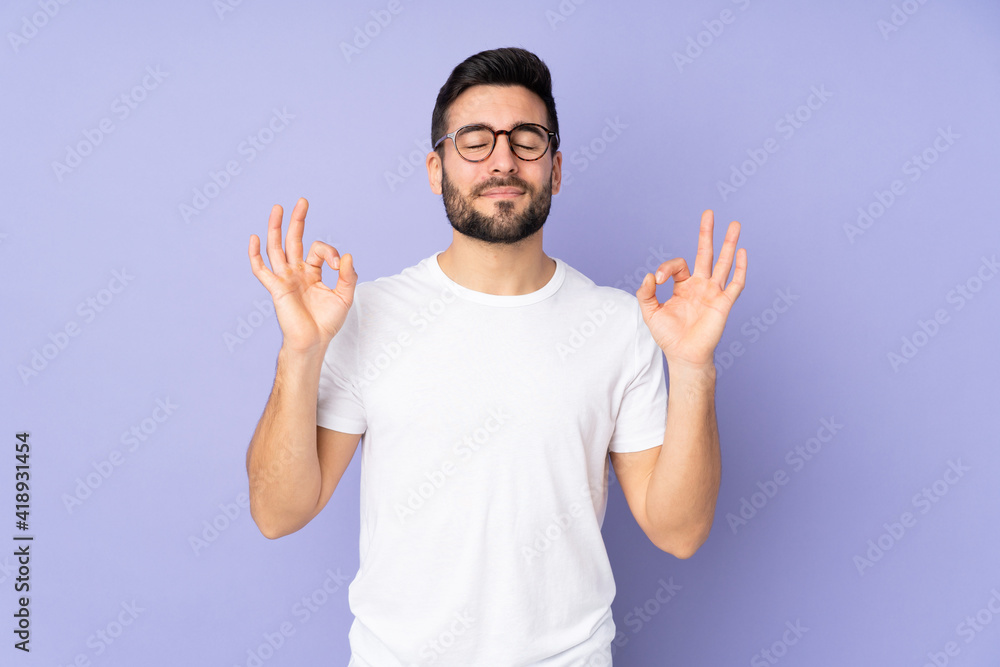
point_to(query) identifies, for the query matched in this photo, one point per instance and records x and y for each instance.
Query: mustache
(510, 182)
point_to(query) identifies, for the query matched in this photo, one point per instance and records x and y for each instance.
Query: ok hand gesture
(310, 313)
(688, 326)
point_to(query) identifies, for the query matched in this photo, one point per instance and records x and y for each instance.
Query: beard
(505, 226)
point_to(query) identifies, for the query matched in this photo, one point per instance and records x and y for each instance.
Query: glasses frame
(496, 133)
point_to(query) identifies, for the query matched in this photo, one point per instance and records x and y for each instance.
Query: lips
(502, 192)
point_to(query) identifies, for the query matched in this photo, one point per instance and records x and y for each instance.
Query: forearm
(282, 461)
(684, 484)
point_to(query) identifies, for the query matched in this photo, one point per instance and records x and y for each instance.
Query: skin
(294, 465)
(508, 269)
(672, 489)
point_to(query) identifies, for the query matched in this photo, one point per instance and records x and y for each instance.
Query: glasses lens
(529, 141)
(474, 143)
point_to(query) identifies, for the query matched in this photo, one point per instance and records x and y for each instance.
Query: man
(490, 382)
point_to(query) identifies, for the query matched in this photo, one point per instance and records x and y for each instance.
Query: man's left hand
(689, 324)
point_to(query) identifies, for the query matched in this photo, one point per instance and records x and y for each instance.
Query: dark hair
(498, 67)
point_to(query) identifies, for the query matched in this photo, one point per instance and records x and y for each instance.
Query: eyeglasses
(475, 143)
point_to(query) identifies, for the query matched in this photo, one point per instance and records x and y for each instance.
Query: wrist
(298, 357)
(697, 373)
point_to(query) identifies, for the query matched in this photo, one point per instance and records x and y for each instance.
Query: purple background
(631, 195)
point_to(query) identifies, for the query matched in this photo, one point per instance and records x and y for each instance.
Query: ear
(434, 172)
(556, 172)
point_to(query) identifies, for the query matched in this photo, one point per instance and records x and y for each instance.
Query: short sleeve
(642, 416)
(339, 405)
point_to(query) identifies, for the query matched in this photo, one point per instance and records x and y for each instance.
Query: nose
(502, 159)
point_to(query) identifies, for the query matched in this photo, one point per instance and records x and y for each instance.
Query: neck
(494, 268)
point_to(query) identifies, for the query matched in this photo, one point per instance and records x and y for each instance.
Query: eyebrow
(516, 123)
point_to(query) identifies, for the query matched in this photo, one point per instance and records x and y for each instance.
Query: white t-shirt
(487, 423)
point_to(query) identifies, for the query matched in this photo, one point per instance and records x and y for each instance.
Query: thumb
(347, 277)
(646, 294)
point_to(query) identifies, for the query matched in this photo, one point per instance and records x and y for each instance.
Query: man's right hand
(310, 313)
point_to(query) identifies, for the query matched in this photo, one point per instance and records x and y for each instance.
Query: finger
(320, 251)
(646, 294)
(347, 278)
(265, 277)
(703, 261)
(735, 287)
(275, 255)
(676, 267)
(296, 225)
(726, 254)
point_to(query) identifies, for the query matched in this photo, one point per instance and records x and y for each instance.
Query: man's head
(500, 89)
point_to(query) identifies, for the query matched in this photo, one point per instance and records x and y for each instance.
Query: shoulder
(412, 283)
(610, 299)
